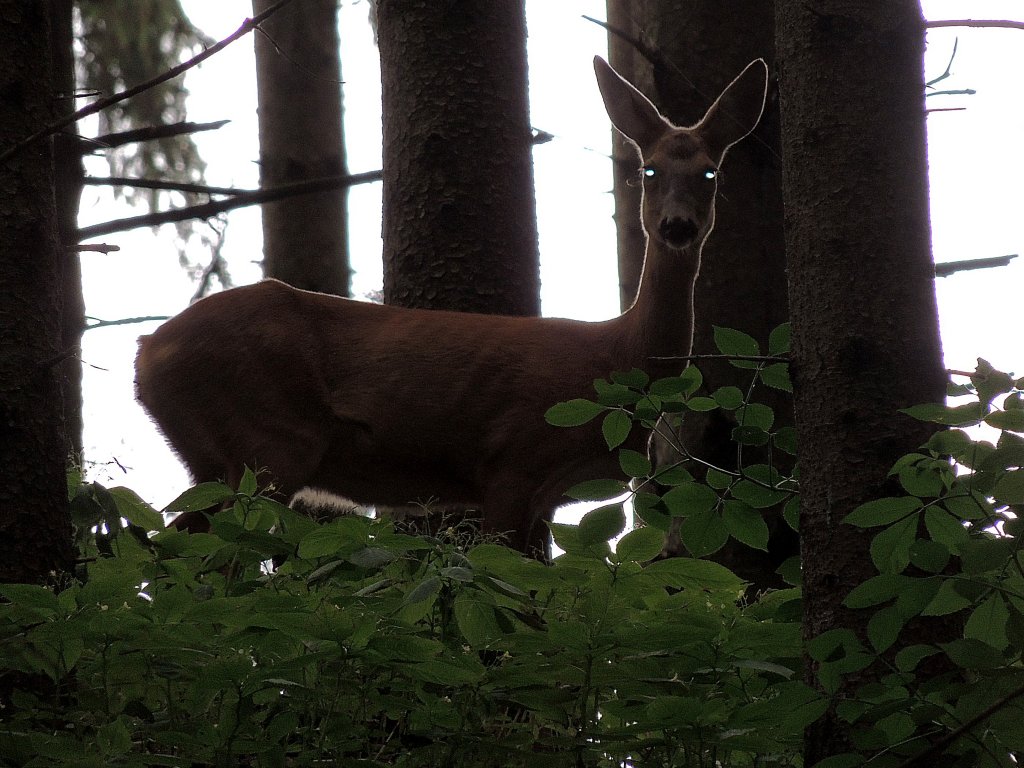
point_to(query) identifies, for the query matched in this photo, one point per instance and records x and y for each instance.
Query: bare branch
(149, 133)
(241, 200)
(950, 267)
(247, 26)
(96, 323)
(173, 186)
(987, 23)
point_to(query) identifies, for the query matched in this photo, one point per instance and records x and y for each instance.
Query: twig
(95, 247)
(646, 49)
(751, 358)
(242, 199)
(247, 26)
(927, 757)
(989, 23)
(149, 133)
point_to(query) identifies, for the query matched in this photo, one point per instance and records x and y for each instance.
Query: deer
(388, 405)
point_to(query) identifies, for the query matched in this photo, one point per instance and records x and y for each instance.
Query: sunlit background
(974, 156)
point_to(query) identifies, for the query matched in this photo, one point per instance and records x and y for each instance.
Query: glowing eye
(648, 172)
(710, 174)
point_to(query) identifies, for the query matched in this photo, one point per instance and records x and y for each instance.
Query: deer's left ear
(737, 111)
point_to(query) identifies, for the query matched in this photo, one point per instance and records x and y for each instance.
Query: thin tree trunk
(459, 224)
(68, 175)
(865, 327)
(35, 524)
(298, 65)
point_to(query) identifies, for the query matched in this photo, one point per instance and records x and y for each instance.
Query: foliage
(122, 45)
(946, 551)
(368, 645)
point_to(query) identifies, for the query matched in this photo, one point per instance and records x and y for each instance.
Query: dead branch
(149, 133)
(247, 26)
(241, 200)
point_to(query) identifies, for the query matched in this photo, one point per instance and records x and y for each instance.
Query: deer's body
(392, 406)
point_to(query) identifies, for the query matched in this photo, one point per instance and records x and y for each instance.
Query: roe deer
(388, 405)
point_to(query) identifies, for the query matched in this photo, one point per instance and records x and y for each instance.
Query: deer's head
(679, 166)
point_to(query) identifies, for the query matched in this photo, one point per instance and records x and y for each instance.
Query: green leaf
(778, 340)
(785, 440)
(875, 591)
(685, 384)
(701, 404)
(732, 342)
(703, 533)
(40, 600)
(949, 442)
(776, 376)
(945, 529)
(1010, 488)
(640, 545)
(987, 622)
(947, 600)
(616, 428)
(884, 627)
(890, 549)
(908, 658)
(689, 498)
(756, 415)
(634, 464)
(729, 398)
(476, 619)
(573, 413)
(247, 486)
(137, 512)
(614, 395)
(745, 524)
(754, 436)
(634, 378)
(791, 512)
(602, 524)
(690, 573)
(965, 415)
(596, 490)
(201, 496)
(883, 511)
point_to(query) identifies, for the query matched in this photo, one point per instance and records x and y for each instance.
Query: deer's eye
(711, 174)
(648, 172)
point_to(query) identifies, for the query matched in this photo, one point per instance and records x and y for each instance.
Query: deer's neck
(660, 321)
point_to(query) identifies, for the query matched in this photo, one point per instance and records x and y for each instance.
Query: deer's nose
(677, 232)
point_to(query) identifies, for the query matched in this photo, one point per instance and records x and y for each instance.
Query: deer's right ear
(630, 111)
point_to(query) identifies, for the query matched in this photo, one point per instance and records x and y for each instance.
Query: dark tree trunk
(865, 329)
(459, 223)
(692, 50)
(298, 66)
(35, 525)
(68, 175)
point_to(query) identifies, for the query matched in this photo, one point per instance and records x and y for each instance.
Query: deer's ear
(737, 110)
(630, 111)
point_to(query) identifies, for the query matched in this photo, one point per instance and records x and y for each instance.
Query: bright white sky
(975, 170)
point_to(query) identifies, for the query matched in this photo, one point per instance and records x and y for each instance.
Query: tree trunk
(298, 72)
(35, 524)
(865, 328)
(68, 176)
(693, 50)
(459, 223)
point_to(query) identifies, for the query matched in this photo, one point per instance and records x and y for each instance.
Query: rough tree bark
(459, 225)
(35, 524)
(862, 300)
(298, 72)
